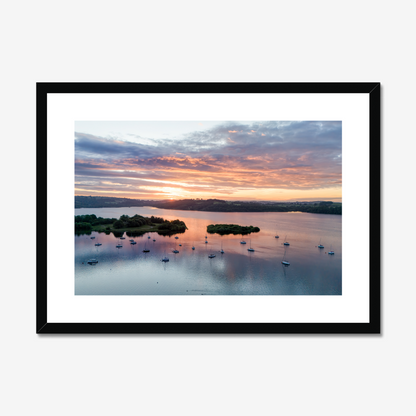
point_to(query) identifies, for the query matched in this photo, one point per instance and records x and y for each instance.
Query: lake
(129, 271)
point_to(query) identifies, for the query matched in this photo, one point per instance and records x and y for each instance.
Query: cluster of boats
(165, 259)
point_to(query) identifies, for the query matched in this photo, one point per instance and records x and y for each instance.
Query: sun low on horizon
(228, 160)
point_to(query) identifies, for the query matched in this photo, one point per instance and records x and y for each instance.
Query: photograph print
(208, 208)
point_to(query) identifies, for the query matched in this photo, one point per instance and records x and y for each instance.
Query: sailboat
(146, 250)
(276, 236)
(330, 248)
(132, 242)
(284, 261)
(98, 244)
(250, 249)
(92, 238)
(211, 256)
(320, 245)
(222, 251)
(242, 241)
(92, 261)
(119, 245)
(286, 243)
(165, 259)
(175, 251)
(193, 246)
(122, 238)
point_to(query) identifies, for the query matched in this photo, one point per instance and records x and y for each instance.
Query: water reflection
(130, 271)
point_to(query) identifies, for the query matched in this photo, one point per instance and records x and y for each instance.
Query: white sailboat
(286, 242)
(320, 245)
(330, 250)
(222, 251)
(211, 256)
(119, 245)
(92, 261)
(285, 262)
(165, 259)
(250, 249)
(242, 241)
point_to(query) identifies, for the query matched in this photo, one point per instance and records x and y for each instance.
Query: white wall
(206, 41)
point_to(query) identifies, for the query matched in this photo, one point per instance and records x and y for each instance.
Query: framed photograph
(208, 208)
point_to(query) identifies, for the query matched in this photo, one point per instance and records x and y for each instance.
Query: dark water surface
(129, 271)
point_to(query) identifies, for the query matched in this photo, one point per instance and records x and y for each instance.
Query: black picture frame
(44, 327)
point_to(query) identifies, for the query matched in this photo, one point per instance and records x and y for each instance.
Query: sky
(229, 160)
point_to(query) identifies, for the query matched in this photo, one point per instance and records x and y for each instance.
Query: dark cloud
(90, 146)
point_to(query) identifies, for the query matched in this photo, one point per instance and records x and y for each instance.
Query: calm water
(129, 271)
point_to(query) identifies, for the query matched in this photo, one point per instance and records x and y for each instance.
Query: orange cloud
(206, 167)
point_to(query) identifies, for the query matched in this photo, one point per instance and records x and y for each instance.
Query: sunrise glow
(267, 161)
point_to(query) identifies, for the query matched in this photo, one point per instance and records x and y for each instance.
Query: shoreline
(222, 212)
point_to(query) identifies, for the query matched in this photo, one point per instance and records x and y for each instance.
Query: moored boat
(250, 249)
(285, 261)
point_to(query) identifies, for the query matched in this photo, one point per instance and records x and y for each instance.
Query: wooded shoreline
(211, 205)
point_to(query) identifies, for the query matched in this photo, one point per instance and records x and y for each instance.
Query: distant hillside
(217, 205)
(107, 202)
(211, 205)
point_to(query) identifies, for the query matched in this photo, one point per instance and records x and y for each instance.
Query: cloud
(300, 155)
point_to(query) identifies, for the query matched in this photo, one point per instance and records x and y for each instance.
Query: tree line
(211, 205)
(87, 222)
(224, 229)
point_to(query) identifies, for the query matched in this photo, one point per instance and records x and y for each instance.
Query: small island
(133, 226)
(223, 229)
